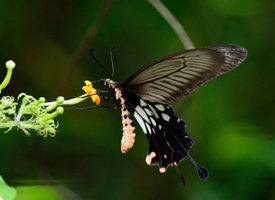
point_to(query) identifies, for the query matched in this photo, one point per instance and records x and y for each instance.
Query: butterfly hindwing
(165, 132)
(180, 141)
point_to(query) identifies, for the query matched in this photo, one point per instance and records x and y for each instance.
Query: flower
(91, 91)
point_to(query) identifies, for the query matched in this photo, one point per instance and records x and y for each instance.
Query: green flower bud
(10, 66)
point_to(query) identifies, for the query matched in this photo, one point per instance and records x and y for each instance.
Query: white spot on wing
(160, 107)
(153, 110)
(148, 111)
(153, 121)
(165, 117)
(142, 103)
(140, 122)
(168, 144)
(148, 128)
(142, 113)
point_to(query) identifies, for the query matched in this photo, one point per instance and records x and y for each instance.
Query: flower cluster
(31, 115)
(36, 114)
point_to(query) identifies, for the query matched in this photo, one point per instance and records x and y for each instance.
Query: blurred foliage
(231, 118)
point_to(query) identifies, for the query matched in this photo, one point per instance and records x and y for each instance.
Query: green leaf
(6, 192)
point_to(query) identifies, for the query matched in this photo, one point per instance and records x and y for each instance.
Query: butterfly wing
(176, 75)
(148, 92)
(168, 141)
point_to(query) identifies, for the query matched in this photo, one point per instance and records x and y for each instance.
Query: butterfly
(146, 96)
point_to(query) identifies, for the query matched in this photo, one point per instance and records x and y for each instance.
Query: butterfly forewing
(175, 76)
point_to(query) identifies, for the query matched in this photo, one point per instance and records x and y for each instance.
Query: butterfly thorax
(115, 93)
(128, 137)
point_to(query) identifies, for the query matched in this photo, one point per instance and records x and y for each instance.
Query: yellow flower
(91, 91)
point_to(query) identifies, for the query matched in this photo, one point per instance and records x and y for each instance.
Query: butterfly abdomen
(128, 138)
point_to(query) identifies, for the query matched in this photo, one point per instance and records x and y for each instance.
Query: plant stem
(173, 22)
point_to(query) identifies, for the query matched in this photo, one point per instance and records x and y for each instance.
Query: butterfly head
(110, 84)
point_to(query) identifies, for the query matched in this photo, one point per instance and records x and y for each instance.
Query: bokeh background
(231, 118)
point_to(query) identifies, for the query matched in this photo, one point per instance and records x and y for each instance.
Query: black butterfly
(146, 95)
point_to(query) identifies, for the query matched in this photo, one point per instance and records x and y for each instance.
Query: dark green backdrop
(231, 118)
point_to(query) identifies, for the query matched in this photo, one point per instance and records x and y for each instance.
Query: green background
(231, 118)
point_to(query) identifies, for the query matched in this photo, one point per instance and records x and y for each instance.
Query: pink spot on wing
(162, 170)
(150, 157)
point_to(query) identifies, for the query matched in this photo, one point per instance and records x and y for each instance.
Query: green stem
(66, 102)
(10, 66)
(173, 22)
(57, 112)
(8, 124)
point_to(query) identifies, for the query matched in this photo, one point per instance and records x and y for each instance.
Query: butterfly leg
(89, 108)
(103, 97)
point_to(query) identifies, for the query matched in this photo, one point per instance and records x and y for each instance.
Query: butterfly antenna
(112, 62)
(91, 52)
